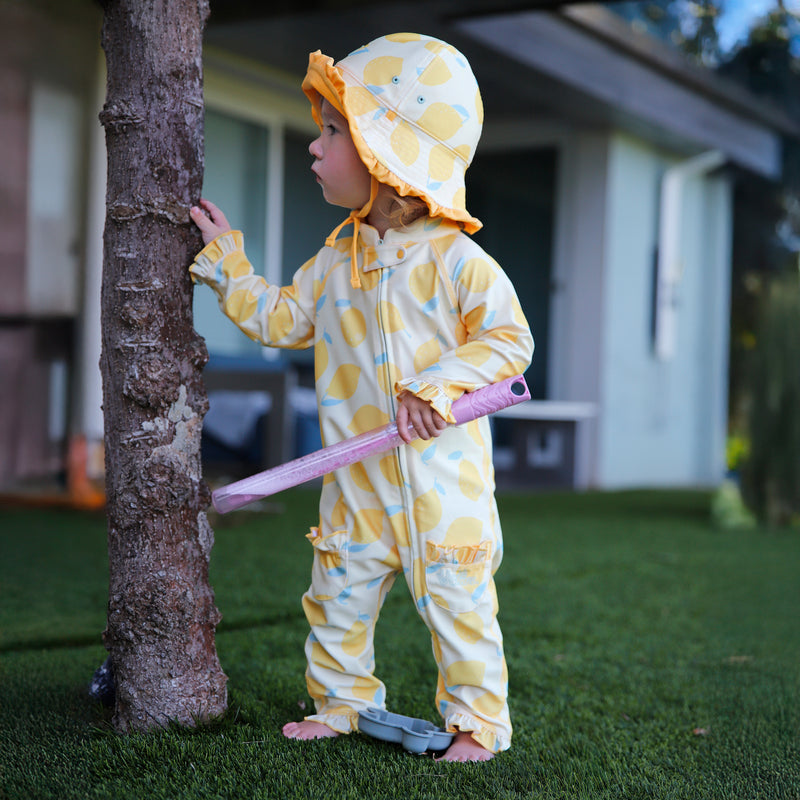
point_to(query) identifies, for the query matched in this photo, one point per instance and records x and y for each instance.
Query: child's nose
(314, 148)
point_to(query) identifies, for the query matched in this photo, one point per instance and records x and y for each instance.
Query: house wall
(707, 222)
(258, 129)
(578, 304)
(659, 422)
(663, 420)
(46, 76)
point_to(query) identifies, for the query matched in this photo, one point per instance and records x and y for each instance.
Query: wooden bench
(548, 444)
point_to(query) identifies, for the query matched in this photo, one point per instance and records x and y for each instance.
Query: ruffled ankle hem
(341, 723)
(484, 735)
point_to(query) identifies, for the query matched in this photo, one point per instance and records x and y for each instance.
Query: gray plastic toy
(416, 735)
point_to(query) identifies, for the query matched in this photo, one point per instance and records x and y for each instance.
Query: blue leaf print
(455, 456)
(321, 302)
(327, 337)
(381, 359)
(345, 594)
(459, 268)
(487, 321)
(392, 510)
(428, 453)
(431, 305)
(262, 302)
(438, 486)
(424, 601)
(476, 595)
(343, 303)
(219, 275)
(461, 110)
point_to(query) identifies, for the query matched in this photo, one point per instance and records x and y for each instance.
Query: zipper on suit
(405, 491)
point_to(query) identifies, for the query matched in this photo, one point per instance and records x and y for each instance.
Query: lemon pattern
(435, 316)
(441, 320)
(415, 112)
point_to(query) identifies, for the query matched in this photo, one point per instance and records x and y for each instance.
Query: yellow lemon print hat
(415, 114)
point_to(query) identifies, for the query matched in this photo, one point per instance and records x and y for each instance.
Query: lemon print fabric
(415, 111)
(435, 316)
(429, 104)
(354, 327)
(342, 385)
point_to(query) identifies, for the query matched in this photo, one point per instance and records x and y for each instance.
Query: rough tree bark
(161, 611)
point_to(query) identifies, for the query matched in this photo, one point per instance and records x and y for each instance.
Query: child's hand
(210, 220)
(426, 421)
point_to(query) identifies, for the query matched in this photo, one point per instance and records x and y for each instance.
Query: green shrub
(771, 472)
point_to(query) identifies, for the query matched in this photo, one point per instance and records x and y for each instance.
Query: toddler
(404, 315)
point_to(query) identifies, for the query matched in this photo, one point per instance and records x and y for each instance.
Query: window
(259, 175)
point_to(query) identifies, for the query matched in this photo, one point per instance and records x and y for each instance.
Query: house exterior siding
(660, 421)
(663, 421)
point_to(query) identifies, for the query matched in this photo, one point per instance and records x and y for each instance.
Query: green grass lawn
(650, 655)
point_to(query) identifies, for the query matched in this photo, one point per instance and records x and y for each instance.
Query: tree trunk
(161, 611)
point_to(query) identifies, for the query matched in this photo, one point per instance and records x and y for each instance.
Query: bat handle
(489, 399)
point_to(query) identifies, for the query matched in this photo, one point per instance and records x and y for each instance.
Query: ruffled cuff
(439, 399)
(485, 736)
(205, 262)
(341, 723)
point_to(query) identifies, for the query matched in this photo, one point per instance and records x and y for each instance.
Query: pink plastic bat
(468, 407)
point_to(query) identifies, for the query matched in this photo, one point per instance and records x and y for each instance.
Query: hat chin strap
(355, 217)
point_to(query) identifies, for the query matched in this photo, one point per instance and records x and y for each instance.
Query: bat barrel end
(224, 502)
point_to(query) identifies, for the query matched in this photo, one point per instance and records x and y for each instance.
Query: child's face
(344, 178)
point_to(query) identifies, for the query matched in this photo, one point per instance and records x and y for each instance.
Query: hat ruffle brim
(323, 80)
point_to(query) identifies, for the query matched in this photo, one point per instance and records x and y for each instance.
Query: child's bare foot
(307, 729)
(465, 748)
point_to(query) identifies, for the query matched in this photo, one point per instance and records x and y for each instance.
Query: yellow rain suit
(423, 310)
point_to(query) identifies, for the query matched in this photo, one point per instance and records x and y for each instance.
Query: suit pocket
(329, 571)
(457, 577)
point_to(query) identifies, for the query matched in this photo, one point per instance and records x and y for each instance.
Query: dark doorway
(513, 194)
